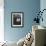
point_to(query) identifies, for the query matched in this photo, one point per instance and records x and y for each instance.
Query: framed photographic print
(17, 19)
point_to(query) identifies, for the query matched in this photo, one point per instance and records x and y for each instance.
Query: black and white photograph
(17, 19)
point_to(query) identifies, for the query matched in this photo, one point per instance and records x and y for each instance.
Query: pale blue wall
(43, 6)
(29, 7)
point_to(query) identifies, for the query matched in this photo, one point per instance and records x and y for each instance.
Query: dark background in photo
(16, 20)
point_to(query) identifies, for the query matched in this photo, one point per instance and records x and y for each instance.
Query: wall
(29, 7)
(43, 6)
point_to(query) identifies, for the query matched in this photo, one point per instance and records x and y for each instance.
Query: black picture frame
(17, 19)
